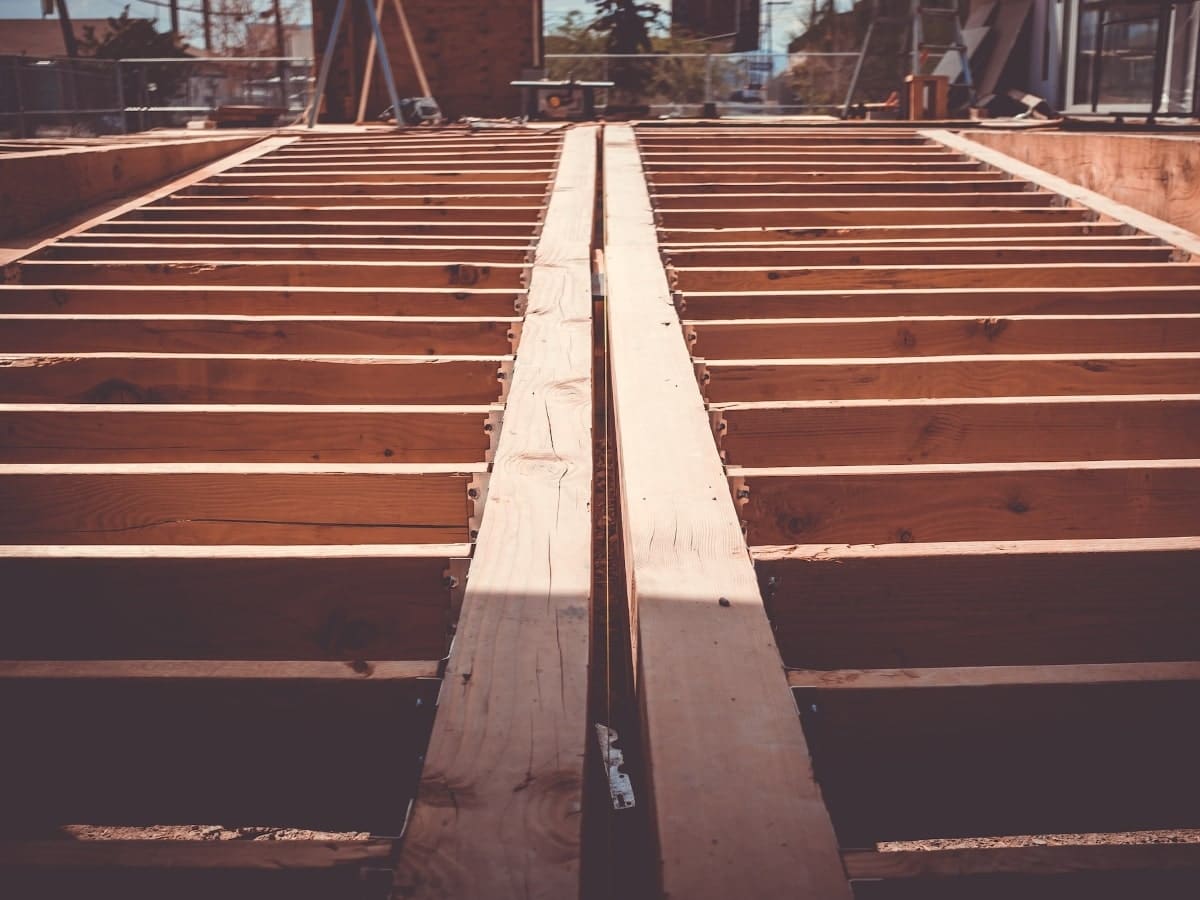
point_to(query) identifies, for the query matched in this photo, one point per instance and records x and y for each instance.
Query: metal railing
(670, 84)
(86, 96)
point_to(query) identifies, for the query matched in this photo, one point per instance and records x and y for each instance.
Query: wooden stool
(928, 96)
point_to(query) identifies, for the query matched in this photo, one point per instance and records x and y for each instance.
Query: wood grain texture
(734, 804)
(200, 250)
(246, 503)
(1052, 860)
(190, 856)
(497, 813)
(246, 378)
(1006, 759)
(65, 433)
(834, 216)
(263, 603)
(989, 604)
(976, 502)
(882, 277)
(719, 234)
(203, 299)
(466, 273)
(165, 751)
(988, 429)
(358, 335)
(952, 376)
(983, 302)
(944, 336)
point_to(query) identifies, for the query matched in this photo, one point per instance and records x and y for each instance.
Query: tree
(625, 25)
(128, 38)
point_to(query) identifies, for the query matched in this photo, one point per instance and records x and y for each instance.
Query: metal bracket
(599, 286)
(703, 377)
(456, 583)
(521, 303)
(680, 303)
(492, 428)
(514, 336)
(504, 376)
(691, 336)
(477, 496)
(719, 427)
(620, 788)
(740, 490)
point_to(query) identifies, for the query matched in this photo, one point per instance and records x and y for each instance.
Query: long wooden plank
(983, 302)
(430, 199)
(972, 603)
(780, 260)
(82, 433)
(203, 236)
(396, 229)
(749, 820)
(246, 378)
(1005, 759)
(202, 300)
(913, 678)
(680, 200)
(999, 374)
(802, 217)
(285, 186)
(194, 855)
(970, 502)
(709, 234)
(365, 602)
(1029, 860)
(333, 745)
(351, 335)
(882, 277)
(236, 503)
(944, 336)
(466, 273)
(497, 814)
(985, 429)
(346, 212)
(271, 250)
(984, 182)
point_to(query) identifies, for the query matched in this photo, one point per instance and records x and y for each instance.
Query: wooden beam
(882, 277)
(943, 336)
(391, 602)
(497, 814)
(969, 502)
(194, 855)
(984, 182)
(869, 174)
(169, 253)
(951, 376)
(260, 198)
(204, 300)
(319, 231)
(749, 820)
(249, 378)
(804, 217)
(1022, 861)
(986, 302)
(997, 759)
(82, 433)
(716, 234)
(679, 200)
(237, 503)
(983, 603)
(346, 212)
(982, 429)
(351, 335)
(333, 745)
(775, 259)
(912, 678)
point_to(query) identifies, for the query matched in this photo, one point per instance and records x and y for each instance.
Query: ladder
(920, 11)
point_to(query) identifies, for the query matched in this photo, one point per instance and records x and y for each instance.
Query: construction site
(458, 457)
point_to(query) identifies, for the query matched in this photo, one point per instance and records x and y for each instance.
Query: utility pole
(68, 30)
(280, 51)
(206, 13)
(175, 20)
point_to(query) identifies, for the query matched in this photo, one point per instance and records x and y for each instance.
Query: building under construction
(776, 506)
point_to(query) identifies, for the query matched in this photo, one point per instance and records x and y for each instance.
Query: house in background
(1099, 56)
(43, 37)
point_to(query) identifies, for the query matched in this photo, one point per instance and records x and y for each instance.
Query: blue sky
(555, 10)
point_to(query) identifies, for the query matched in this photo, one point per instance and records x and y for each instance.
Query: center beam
(735, 809)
